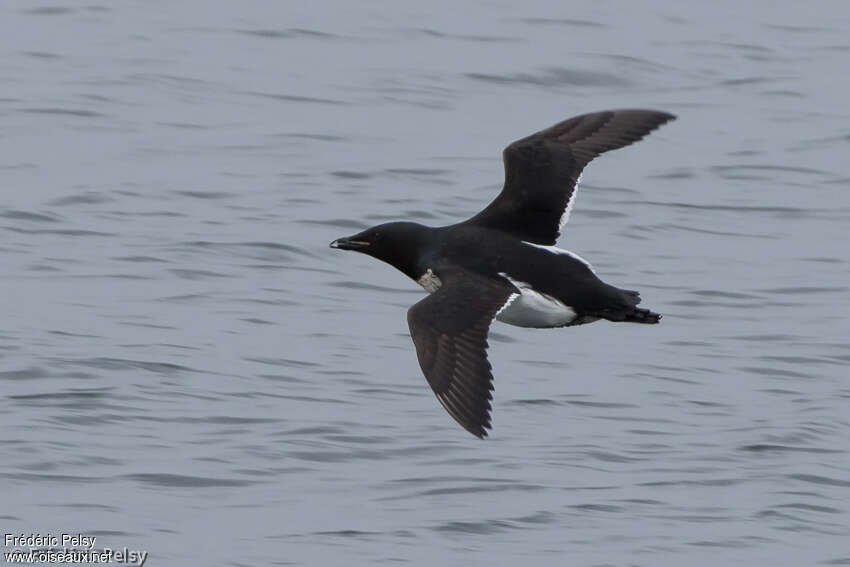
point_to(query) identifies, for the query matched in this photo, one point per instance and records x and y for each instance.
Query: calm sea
(188, 369)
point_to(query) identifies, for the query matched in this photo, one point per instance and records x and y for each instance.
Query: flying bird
(502, 263)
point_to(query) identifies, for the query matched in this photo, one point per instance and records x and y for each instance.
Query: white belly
(531, 308)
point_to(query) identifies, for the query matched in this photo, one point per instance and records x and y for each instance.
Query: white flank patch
(507, 303)
(429, 281)
(556, 250)
(531, 308)
(566, 216)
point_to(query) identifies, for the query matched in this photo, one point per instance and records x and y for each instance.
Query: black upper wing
(542, 170)
(449, 329)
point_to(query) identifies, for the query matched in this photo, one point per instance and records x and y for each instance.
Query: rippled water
(186, 367)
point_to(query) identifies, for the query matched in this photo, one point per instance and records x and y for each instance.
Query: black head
(399, 244)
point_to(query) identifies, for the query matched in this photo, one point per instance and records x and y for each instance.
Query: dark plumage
(501, 262)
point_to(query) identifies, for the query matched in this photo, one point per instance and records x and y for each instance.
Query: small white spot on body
(530, 308)
(429, 281)
(556, 250)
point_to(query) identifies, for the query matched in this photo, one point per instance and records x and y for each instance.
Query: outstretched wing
(449, 329)
(542, 170)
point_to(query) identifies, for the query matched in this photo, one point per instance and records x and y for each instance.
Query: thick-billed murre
(502, 263)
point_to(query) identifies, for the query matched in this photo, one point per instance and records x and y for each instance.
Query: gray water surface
(187, 369)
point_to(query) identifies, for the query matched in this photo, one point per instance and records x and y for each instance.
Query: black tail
(627, 310)
(638, 315)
